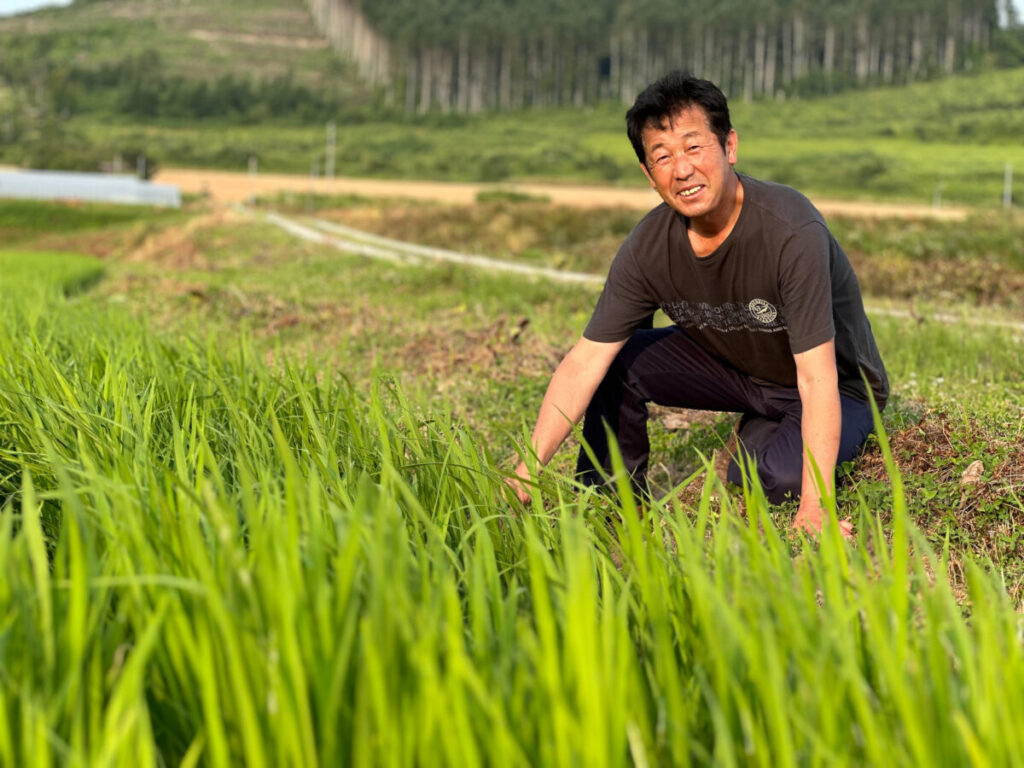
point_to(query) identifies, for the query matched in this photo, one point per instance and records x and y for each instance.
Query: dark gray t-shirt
(778, 285)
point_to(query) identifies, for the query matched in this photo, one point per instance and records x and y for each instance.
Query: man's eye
(661, 159)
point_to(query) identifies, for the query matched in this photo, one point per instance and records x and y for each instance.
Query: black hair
(669, 95)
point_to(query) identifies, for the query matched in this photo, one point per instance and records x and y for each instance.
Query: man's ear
(731, 143)
(647, 173)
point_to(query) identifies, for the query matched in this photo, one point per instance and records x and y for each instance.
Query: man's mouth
(691, 191)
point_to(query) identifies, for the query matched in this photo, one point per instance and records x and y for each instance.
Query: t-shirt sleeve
(625, 303)
(805, 286)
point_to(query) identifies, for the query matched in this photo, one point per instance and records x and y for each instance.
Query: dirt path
(228, 187)
(374, 246)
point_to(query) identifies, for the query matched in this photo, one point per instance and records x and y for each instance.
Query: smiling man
(768, 318)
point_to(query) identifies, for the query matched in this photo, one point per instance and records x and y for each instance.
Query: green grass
(22, 220)
(935, 171)
(45, 272)
(251, 512)
(208, 561)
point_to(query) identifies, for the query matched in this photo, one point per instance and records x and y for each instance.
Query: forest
(471, 55)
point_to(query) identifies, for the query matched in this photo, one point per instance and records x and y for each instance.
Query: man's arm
(569, 393)
(821, 425)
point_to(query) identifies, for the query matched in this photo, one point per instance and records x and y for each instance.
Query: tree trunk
(828, 59)
(444, 79)
(745, 65)
(787, 52)
(759, 60)
(505, 76)
(710, 60)
(726, 57)
(862, 49)
(917, 45)
(477, 76)
(799, 48)
(771, 58)
(462, 79)
(423, 102)
(949, 49)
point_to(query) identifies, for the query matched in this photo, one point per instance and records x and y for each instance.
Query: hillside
(196, 39)
(133, 61)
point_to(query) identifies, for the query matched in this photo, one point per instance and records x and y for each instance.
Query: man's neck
(710, 231)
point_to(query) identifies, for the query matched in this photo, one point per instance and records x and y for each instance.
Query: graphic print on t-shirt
(756, 315)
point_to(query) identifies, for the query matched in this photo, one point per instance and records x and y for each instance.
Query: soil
(230, 187)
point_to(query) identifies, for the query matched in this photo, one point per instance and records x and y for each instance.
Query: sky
(8, 7)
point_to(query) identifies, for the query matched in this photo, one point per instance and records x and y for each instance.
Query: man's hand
(572, 385)
(820, 427)
(810, 518)
(517, 483)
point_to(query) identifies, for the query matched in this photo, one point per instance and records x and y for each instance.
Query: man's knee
(781, 481)
(775, 448)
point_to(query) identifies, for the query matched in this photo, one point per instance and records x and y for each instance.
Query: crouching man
(768, 317)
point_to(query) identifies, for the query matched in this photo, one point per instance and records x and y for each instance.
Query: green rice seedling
(208, 561)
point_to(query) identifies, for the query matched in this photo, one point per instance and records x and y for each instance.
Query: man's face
(688, 166)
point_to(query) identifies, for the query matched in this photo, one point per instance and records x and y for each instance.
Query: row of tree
(140, 85)
(467, 55)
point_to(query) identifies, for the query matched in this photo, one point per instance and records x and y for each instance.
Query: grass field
(927, 150)
(250, 512)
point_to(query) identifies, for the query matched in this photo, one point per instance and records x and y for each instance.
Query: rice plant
(209, 562)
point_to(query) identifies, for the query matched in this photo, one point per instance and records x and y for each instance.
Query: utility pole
(1008, 186)
(329, 156)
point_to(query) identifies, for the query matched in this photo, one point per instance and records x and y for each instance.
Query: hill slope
(200, 39)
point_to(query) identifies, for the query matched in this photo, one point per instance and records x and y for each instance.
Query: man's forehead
(686, 121)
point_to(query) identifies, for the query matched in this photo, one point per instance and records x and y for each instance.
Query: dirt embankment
(228, 187)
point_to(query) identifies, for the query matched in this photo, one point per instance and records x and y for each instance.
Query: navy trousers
(665, 366)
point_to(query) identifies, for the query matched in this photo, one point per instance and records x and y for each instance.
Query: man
(768, 316)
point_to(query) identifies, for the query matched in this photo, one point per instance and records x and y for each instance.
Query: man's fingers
(808, 525)
(516, 485)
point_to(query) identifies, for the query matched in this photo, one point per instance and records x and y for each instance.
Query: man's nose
(682, 165)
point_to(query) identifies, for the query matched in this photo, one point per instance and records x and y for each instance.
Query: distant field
(949, 141)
